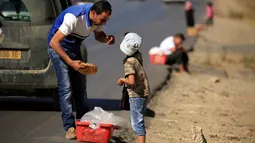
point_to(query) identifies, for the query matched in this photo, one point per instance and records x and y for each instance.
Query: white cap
(131, 43)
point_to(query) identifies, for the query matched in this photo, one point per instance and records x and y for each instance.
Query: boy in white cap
(136, 81)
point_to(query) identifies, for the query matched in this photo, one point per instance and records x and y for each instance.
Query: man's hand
(110, 39)
(121, 81)
(76, 65)
(103, 38)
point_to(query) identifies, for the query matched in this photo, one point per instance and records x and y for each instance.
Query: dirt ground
(216, 102)
(223, 107)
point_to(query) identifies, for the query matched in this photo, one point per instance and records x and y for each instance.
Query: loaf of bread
(89, 69)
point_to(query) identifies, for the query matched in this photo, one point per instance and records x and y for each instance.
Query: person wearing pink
(209, 13)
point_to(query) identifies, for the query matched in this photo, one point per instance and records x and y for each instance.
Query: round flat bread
(89, 69)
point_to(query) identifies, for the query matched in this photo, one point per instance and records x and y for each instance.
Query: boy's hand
(121, 81)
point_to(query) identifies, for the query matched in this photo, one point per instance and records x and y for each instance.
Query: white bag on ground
(156, 51)
(98, 115)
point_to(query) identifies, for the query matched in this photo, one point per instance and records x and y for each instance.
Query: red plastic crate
(158, 59)
(100, 135)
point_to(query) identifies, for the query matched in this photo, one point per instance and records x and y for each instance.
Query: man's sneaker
(70, 134)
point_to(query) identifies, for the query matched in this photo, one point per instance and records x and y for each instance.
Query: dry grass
(249, 4)
(237, 9)
(247, 12)
(249, 62)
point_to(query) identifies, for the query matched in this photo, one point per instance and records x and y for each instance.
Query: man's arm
(65, 29)
(100, 36)
(55, 44)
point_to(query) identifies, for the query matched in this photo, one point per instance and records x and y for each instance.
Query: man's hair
(102, 6)
(180, 35)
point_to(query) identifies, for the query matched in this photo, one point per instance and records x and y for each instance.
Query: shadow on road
(106, 104)
(173, 2)
(46, 104)
(117, 140)
(163, 83)
(149, 113)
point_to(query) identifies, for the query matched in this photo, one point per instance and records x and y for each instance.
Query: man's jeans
(71, 87)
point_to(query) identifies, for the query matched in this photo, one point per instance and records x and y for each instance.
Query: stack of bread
(88, 69)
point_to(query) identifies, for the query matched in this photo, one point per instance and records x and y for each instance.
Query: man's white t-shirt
(77, 26)
(167, 44)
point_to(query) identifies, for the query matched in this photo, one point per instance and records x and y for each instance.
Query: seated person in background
(176, 54)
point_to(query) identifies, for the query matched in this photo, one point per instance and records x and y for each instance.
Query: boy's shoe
(70, 134)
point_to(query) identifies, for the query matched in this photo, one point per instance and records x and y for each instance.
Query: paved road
(34, 122)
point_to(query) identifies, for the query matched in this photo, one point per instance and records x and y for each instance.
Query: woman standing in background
(189, 11)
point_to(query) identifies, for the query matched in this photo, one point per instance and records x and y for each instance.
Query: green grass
(249, 62)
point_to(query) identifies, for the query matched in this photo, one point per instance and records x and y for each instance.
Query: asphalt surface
(33, 120)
